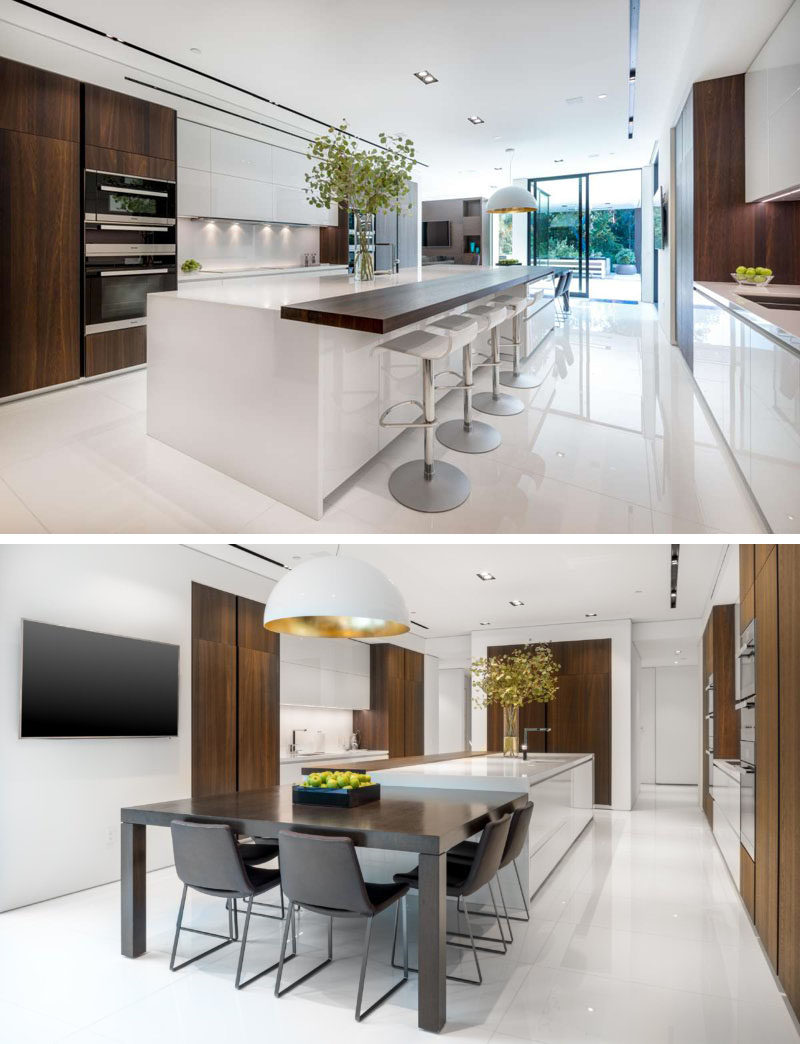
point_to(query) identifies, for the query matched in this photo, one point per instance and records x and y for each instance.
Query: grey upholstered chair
(208, 860)
(322, 874)
(466, 851)
(464, 879)
(255, 851)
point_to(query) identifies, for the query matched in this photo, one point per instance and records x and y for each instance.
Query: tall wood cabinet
(39, 228)
(235, 695)
(396, 718)
(720, 737)
(579, 719)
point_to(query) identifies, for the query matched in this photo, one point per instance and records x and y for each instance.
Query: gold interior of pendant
(512, 210)
(336, 626)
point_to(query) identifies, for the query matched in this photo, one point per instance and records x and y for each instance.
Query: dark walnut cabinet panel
(747, 580)
(235, 695)
(119, 121)
(39, 262)
(579, 718)
(789, 772)
(114, 350)
(747, 881)
(34, 101)
(131, 163)
(396, 718)
(723, 644)
(767, 769)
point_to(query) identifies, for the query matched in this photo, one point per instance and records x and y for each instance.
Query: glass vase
(364, 263)
(510, 732)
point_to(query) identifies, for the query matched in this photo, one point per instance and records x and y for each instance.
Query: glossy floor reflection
(639, 937)
(614, 440)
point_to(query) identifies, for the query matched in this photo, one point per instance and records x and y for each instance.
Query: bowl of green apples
(749, 276)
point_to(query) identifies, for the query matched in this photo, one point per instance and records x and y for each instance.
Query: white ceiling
(558, 583)
(515, 65)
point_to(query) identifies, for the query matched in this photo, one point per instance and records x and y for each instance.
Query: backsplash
(209, 241)
(334, 724)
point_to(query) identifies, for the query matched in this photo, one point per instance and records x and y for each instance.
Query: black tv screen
(84, 684)
(436, 233)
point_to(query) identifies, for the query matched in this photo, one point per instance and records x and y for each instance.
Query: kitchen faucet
(293, 744)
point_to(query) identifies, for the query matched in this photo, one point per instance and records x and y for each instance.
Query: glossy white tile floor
(638, 938)
(614, 440)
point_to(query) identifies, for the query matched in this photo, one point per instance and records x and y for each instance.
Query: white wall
(60, 799)
(452, 709)
(677, 736)
(646, 736)
(619, 631)
(335, 725)
(636, 675)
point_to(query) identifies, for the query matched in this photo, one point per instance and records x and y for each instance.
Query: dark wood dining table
(421, 821)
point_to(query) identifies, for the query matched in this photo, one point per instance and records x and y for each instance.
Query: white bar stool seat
(467, 435)
(424, 485)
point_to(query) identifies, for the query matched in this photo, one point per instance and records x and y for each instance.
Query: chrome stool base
(500, 405)
(446, 489)
(478, 438)
(520, 380)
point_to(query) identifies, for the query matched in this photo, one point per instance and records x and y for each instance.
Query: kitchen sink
(784, 303)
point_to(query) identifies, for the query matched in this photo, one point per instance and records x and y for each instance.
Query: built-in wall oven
(129, 248)
(746, 706)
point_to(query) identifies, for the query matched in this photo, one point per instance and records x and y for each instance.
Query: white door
(677, 724)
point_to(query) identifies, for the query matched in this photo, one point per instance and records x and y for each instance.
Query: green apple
(766, 271)
(750, 272)
(314, 780)
(331, 784)
(759, 279)
(741, 269)
(355, 784)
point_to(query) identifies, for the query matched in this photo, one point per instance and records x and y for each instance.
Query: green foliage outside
(625, 257)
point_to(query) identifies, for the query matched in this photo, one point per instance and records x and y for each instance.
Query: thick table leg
(134, 887)
(431, 985)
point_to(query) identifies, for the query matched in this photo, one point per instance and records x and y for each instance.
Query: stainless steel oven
(747, 774)
(117, 285)
(122, 199)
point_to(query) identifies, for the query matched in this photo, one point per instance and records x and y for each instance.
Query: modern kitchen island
(278, 381)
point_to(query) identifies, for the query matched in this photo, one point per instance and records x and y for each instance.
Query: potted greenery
(625, 262)
(529, 674)
(362, 180)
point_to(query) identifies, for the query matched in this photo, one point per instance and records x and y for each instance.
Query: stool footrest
(449, 373)
(404, 424)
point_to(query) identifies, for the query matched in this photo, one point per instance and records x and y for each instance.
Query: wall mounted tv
(436, 233)
(84, 684)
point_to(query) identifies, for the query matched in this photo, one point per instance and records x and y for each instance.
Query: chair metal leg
(239, 984)
(495, 402)
(282, 960)
(468, 436)
(269, 906)
(509, 917)
(485, 938)
(505, 909)
(436, 486)
(195, 931)
(472, 945)
(392, 989)
(527, 916)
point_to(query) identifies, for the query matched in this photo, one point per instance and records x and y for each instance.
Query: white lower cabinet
(725, 792)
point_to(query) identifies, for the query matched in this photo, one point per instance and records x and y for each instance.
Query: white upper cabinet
(290, 168)
(240, 199)
(318, 672)
(292, 206)
(194, 192)
(772, 113)
(240, 157)
(194, 145)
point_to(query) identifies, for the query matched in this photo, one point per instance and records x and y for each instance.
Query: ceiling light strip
(633, 52)
(196, 72)
(674, 561)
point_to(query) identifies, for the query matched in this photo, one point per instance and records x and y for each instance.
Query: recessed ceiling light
(476, 119)
(677, 652)
(593, 155)
(515, 602)
(638, 591)
(486, 576)
(590, 614)
(675, 662)
(560, 453)
(426, 77)
(576, 100)
(498, 168)
(195, 50)
(558, 161)
(486, 623)
(497, 137)
(602, 97)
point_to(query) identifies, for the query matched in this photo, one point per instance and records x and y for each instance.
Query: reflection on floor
(614, 440)
(639, 937)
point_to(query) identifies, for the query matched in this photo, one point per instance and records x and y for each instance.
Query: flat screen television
(85, 684)
(659, 220)
(436, 233)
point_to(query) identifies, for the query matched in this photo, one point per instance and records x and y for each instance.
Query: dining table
(424, 822)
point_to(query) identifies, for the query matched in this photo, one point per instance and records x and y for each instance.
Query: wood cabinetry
(39, 228)
(115, 350)
(767, 768)
(747, 579)
(396, 718)
(133, 164)
(579, 719)
(747, 881)
(119, 121)
(720, 723)
(789, 772)
(235, 695)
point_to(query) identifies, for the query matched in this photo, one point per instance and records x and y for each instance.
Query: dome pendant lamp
(511, 199)
(335, 597)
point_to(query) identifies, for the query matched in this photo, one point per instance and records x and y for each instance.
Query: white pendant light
(511, 199)
(335, 597)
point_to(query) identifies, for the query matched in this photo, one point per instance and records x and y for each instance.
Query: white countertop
(493, 769)
(271, 292)
(781, 324)
(339, 756)
(231, 270)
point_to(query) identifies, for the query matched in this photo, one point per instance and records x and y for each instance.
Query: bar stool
(514, 378)
(495, 402)
(467, 435)
(423, 485)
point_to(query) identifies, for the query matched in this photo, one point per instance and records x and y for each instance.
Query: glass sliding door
(558, 230)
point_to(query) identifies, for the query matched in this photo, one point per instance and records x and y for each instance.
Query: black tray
(336, 798)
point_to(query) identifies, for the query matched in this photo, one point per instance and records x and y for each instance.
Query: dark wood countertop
(390, 308)
(390, 763)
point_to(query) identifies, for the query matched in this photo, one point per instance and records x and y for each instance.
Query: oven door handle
(748, 770)
(140, 272)
(139, 228)
(118, 190)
